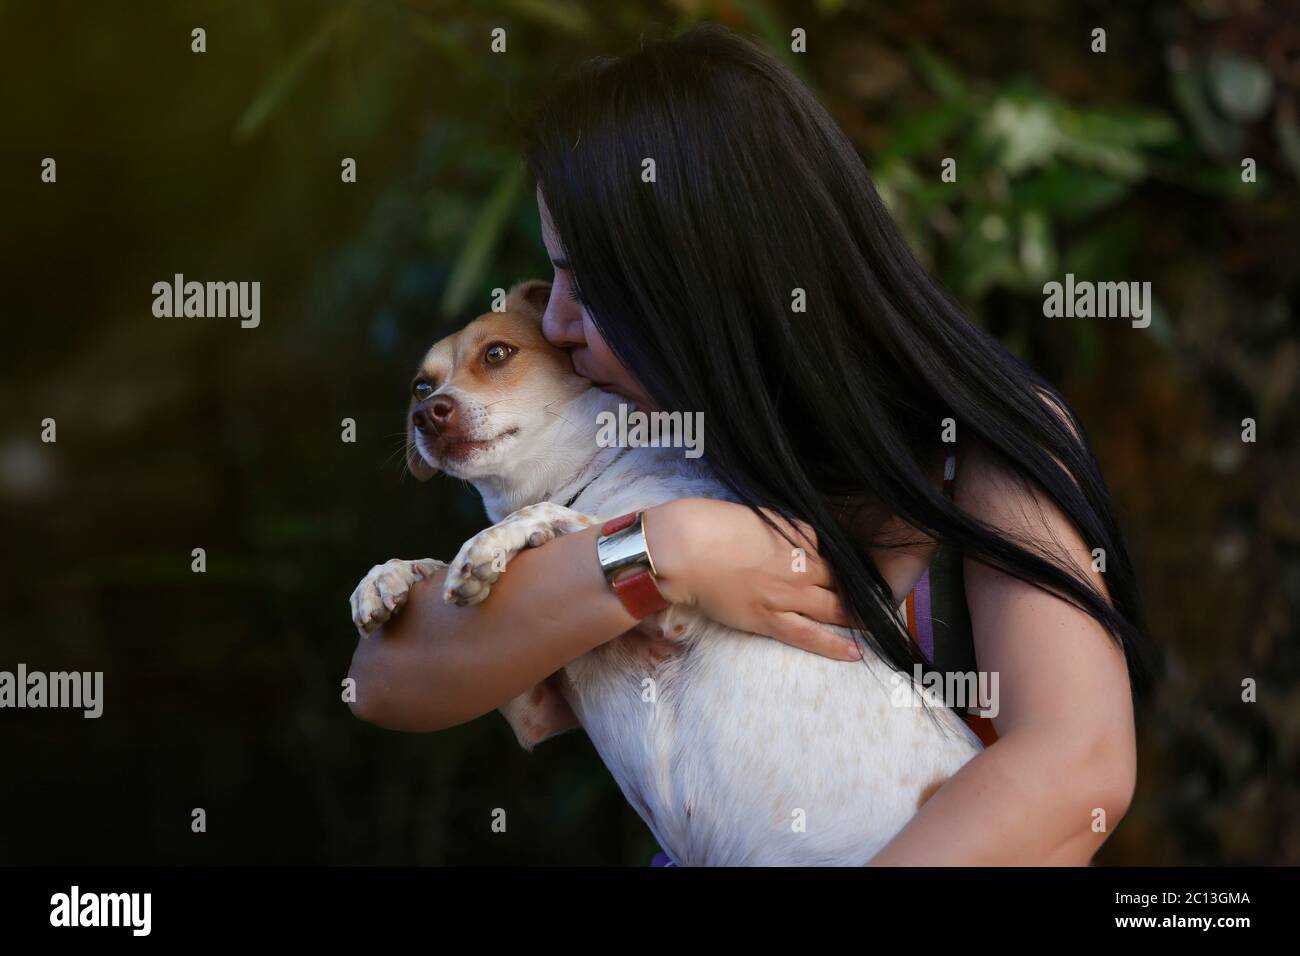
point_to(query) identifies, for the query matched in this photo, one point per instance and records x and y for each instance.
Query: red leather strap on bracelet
(624, 557)
(639, 594)
(619, 523)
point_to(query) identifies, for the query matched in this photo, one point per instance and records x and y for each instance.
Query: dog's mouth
(466, 447)
(460, 449)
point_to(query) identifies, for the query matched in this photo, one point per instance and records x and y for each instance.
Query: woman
(694, 195)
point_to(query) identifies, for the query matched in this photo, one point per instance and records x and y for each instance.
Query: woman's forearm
(1021, 802)
(435, 665)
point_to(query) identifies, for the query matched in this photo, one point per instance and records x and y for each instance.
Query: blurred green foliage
(224, 692)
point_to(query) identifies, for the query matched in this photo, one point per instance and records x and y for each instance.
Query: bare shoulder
(1060, 660)
(991, 490)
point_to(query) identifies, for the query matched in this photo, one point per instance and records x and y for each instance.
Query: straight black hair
(691, 278)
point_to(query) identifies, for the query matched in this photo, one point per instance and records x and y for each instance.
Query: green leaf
(1220, 181)
(281, 84)
(1119, 161)
(1067, 192)
(472, 263)
(984, 256)
(452, 47)
(937, 73)
(894, 181)
(1216, 136)
(561, 14)
(1037, 248)
(918, 134)
(775, 37)
(1103, 253)
(1119, 127)
(1024, 130)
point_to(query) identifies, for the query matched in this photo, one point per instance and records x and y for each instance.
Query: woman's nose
(562, 323)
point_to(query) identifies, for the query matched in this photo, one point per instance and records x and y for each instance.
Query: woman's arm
(1066, 745)
(435, 665)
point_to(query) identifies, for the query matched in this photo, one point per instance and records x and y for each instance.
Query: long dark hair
(690, 280)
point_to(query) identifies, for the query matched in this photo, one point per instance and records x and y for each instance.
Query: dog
(735, 749)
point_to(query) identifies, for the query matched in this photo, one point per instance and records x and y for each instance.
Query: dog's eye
(496, 353)
(421, 390)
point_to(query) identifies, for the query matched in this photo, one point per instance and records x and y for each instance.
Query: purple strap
(924, 616)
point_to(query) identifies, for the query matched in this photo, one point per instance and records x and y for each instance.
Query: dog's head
(485, 397)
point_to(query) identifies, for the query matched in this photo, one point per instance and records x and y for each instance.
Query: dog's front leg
(484, 557)
(542, 711)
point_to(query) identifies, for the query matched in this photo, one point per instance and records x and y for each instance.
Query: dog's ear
(529, 296)
(415, 462)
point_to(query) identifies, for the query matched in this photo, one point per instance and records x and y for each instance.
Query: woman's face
(567, 324)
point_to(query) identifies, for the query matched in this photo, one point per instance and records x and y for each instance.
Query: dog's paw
(384, 590)
(484, 557)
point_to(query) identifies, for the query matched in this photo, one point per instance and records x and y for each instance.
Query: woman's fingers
(821, 604)
(807, 635)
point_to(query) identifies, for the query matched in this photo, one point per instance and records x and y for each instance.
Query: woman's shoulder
(986, 485)
(992, 491)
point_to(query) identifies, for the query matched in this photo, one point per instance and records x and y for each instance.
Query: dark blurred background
(222, 690)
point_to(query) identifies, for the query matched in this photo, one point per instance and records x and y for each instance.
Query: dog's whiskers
(547, 409)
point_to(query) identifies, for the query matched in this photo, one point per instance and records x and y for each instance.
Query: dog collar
(591, 480)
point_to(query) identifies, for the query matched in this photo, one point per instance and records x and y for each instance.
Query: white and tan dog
(734, 749)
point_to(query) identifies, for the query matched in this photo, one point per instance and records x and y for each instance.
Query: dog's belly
(739, 750)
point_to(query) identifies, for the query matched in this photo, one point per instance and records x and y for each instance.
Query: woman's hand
(722, 559)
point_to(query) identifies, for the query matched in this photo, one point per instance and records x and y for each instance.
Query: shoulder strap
(950, 471)
(938, 618)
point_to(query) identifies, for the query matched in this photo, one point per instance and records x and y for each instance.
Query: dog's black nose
(435, 416)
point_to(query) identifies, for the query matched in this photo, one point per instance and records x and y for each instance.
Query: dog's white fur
(734, 749)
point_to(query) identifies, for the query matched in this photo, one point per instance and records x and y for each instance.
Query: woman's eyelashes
(576, 296)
